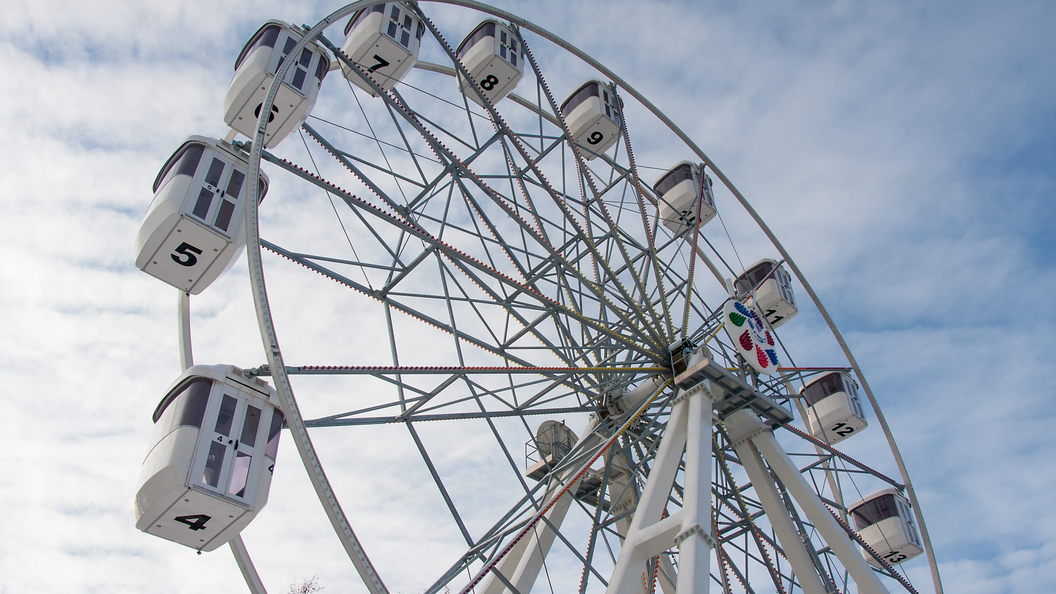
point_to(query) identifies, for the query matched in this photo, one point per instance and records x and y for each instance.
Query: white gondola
(681, 193)
(194, 229)
(493, 57)
(593, 118)
(254, 72)
(209, 467)
(834, 409)
(773, 291)
(383, 40)
(885, 522)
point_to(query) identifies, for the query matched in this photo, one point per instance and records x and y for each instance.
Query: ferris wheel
(530, 278)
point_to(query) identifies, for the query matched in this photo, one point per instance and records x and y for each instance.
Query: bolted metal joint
(696, 529)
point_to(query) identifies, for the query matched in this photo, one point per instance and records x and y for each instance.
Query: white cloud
(903, 153)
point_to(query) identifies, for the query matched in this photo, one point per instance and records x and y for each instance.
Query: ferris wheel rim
(269, 336)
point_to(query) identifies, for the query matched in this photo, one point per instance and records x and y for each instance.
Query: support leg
(695, 542)
(741, 426)
(245, 565)
(822, 519)
(521, 566)
(688, 429)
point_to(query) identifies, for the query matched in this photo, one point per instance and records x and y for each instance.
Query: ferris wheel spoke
(481, 214)
(516, 520)
(406, 141)
(647, 318)
(526, 238)
(538, 404)
(341, 157)
(395, 103)
(861, 468)
(398, 147)
(556, 308)
(782, 583)
(660, 297)
(465, 264)
(517, 182)
(596, 527)
(447, 274)
(503, 128)
(440, 484)
(453, 162)
(343, 421)
(508, 404)
(594, 288)
(581, 167)
(483, 344)
(473, 145)
(383, 169)
(398, 275)
(621, 241)
(502, 445)
(639, 195)
(555, 142)
(478, 211)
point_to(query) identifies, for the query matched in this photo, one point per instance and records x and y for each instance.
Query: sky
(904, 153)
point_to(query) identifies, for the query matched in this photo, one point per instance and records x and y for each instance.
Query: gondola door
(206, 510)
(244, 475)
(227, 460)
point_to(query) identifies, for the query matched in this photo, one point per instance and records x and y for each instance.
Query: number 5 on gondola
(194, 229)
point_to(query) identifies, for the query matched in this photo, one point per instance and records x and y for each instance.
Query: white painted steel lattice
(455, 273)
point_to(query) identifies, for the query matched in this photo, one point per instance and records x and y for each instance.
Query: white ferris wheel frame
(688, 406)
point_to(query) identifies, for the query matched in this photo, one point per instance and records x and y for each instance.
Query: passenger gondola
(768, 285)
(493, 57)
(834, 409)
(593, 118)
(194, 228)
(383, 40)
(682, 193)
(885, 522)
(208, 470)
(255, 70)
(553, 441)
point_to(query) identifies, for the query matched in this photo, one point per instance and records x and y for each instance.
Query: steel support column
(741, 427)
(521, 566)
(649, 535)
(754, 439)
